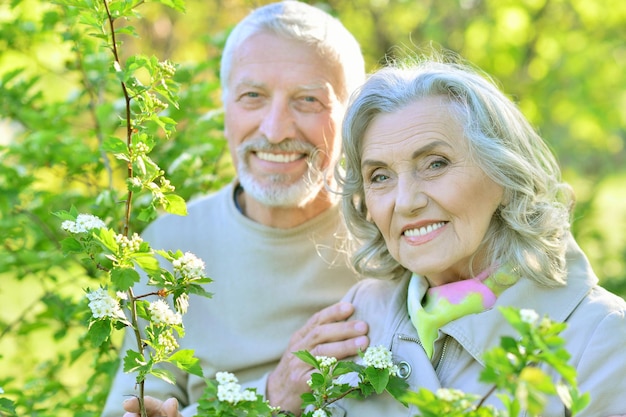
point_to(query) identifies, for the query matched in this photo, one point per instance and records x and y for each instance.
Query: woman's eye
(377, 178)
(438, 164)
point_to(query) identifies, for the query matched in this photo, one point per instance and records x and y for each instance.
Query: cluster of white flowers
(229, 390)
(529, 316)
(189, 266)
(102, 305)
(380, 357)
(83, 223)
(454, 395)
(325, 361)
(141, 148)
(166, 185)
(168, 341)
(160, 313)
(126, 244)
(320, 413)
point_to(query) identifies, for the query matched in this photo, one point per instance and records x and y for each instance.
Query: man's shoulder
(200, 210)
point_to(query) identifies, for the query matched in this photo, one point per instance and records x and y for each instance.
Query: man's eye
(251, 94)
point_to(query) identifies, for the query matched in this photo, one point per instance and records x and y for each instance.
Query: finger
(312, 336)
(337, 312)
(341, 349)
(170, 407)
(152, 405)
(310, 333)
(131, 405)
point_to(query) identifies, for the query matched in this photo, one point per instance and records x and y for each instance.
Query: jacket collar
(480, 332)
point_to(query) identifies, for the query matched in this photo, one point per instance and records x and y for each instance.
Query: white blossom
(126, 244)
(228, 389)
(168, 341)
(83, 223)
(189, 266)
(225, 378)
(457, 396)
(320, 413)
(160, 313)
(102, 305)
(326, 361)
(380, 357)
(529, 316)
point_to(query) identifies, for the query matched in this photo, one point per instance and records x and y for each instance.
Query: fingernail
(360, 326)
(361, 341)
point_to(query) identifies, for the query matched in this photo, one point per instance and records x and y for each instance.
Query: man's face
(283, 118)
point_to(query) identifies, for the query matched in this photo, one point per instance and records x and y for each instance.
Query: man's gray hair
(304, 23)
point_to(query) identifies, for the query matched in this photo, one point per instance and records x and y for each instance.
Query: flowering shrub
(514, 368)
(121, 254)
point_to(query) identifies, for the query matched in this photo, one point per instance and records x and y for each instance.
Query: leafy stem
(129, 127)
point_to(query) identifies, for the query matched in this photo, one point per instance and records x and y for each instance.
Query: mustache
(287, 145)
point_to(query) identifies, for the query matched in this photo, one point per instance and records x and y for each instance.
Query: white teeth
(423, 230)
(278, 157)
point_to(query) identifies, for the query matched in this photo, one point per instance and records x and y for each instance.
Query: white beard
(279, 190)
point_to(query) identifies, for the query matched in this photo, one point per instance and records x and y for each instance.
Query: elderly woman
(449, 192)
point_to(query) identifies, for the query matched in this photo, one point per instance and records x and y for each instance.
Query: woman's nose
(410, 196)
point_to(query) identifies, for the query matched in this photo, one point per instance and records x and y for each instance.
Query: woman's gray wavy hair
(528, 231)
(301, 22)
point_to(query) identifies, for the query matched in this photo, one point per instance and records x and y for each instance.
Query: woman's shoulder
(377, 296)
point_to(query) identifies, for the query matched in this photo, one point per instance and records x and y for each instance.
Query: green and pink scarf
(445, 303)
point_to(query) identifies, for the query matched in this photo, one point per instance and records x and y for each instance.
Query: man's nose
(278, 122)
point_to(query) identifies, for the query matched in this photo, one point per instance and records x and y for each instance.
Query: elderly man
(270, 240)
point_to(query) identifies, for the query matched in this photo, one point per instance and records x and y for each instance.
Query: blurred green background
(562, 61)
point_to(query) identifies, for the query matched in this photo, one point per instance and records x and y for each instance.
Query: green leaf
(175, 204)
(147, 214)
(344, 367)
(114, 145)
(142, 309)
(164, 374)
(307, 357)
(71, 245)
(397, 387)
(378, 378)
(107, 238)
(134, 361)
(185, 361)
(66, 215)
(99, 331)
(178, 5)
(124, 278)
(147, 262)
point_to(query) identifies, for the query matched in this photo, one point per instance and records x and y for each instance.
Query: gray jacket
(595, 338)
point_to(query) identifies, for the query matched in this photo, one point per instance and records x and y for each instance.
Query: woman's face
(431, 204)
